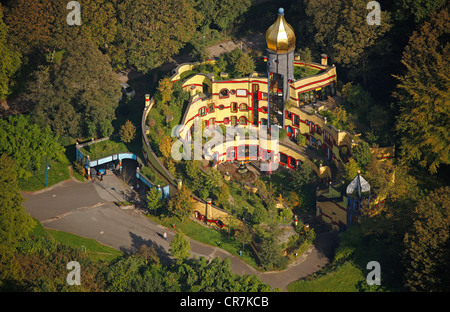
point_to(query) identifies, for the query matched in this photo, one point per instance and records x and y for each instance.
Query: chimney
(324, 60)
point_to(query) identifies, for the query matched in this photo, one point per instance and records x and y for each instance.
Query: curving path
(88, 210)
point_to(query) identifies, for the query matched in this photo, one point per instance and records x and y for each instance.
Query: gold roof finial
(280, 36)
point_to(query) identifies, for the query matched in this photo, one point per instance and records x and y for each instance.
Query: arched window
(243, 107)
(224, 93)
(242, 120)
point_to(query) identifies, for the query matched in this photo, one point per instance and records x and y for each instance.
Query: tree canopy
(9, 62)
(423, 93)
(79, 96)
(28, 143)
(151, 32)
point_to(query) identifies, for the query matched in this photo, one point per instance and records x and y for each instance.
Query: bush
(78, 167)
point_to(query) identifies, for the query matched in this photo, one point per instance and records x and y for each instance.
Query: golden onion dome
(280, 36)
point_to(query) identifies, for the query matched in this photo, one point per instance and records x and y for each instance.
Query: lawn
(94, 249)
(344, 279)
(305, 71)
(58, 172)
(104, 149)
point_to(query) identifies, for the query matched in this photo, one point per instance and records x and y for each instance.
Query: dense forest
(58, 81)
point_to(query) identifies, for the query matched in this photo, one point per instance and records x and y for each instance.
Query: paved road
(88, 210)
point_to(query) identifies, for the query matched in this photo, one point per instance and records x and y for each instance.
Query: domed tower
(280, 40)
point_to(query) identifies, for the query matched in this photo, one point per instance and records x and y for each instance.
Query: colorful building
(277, 97)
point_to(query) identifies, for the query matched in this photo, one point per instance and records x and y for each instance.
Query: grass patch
(344, 279)
(104, 149)
(94, 249)
(58, 172)
(305, 71)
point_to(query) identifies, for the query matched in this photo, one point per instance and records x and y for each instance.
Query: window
(211, 108)
(212, 122)
(241, 92)
(292, 162)
(234, 107)
(226, 121)
(263, 121)
(288, 115)
(223, 93)
(202, 111)
(295, 120)
(264, 109)
(243, 107)
(221, 106)
(242, 120)
(233, 120)
(283, 158)
(231, 153)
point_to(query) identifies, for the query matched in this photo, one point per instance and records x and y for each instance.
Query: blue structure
(88, 163)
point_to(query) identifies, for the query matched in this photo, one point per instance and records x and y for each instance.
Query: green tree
(127, 132)
(29, 144)
(220, 14)
(245, 65)
(417, 10)
(304, 175)
(165, 89)
(78, 98)
(424, 96)
(243, 235)
(153, 31)
(15, 224)
(351, 169)
(341, 31)
(361, 153)
(427, 251)
(305, 57)
(180, 203)
(153, 199)
(10, 60)
(180, 247)
(270, 250)
(99, 22)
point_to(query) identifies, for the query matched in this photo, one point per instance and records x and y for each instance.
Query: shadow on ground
(137, 242)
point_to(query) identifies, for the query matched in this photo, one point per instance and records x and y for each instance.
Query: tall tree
(427, 255)
(15, 224)
(423, 95)
(78, 97)
(362, 154)
(153, 31)
(221, 14)
(40, 24)
(181, 203)
(29, 144)
(127, 132)
(341, 30)
(10, 60)
(180, 247)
